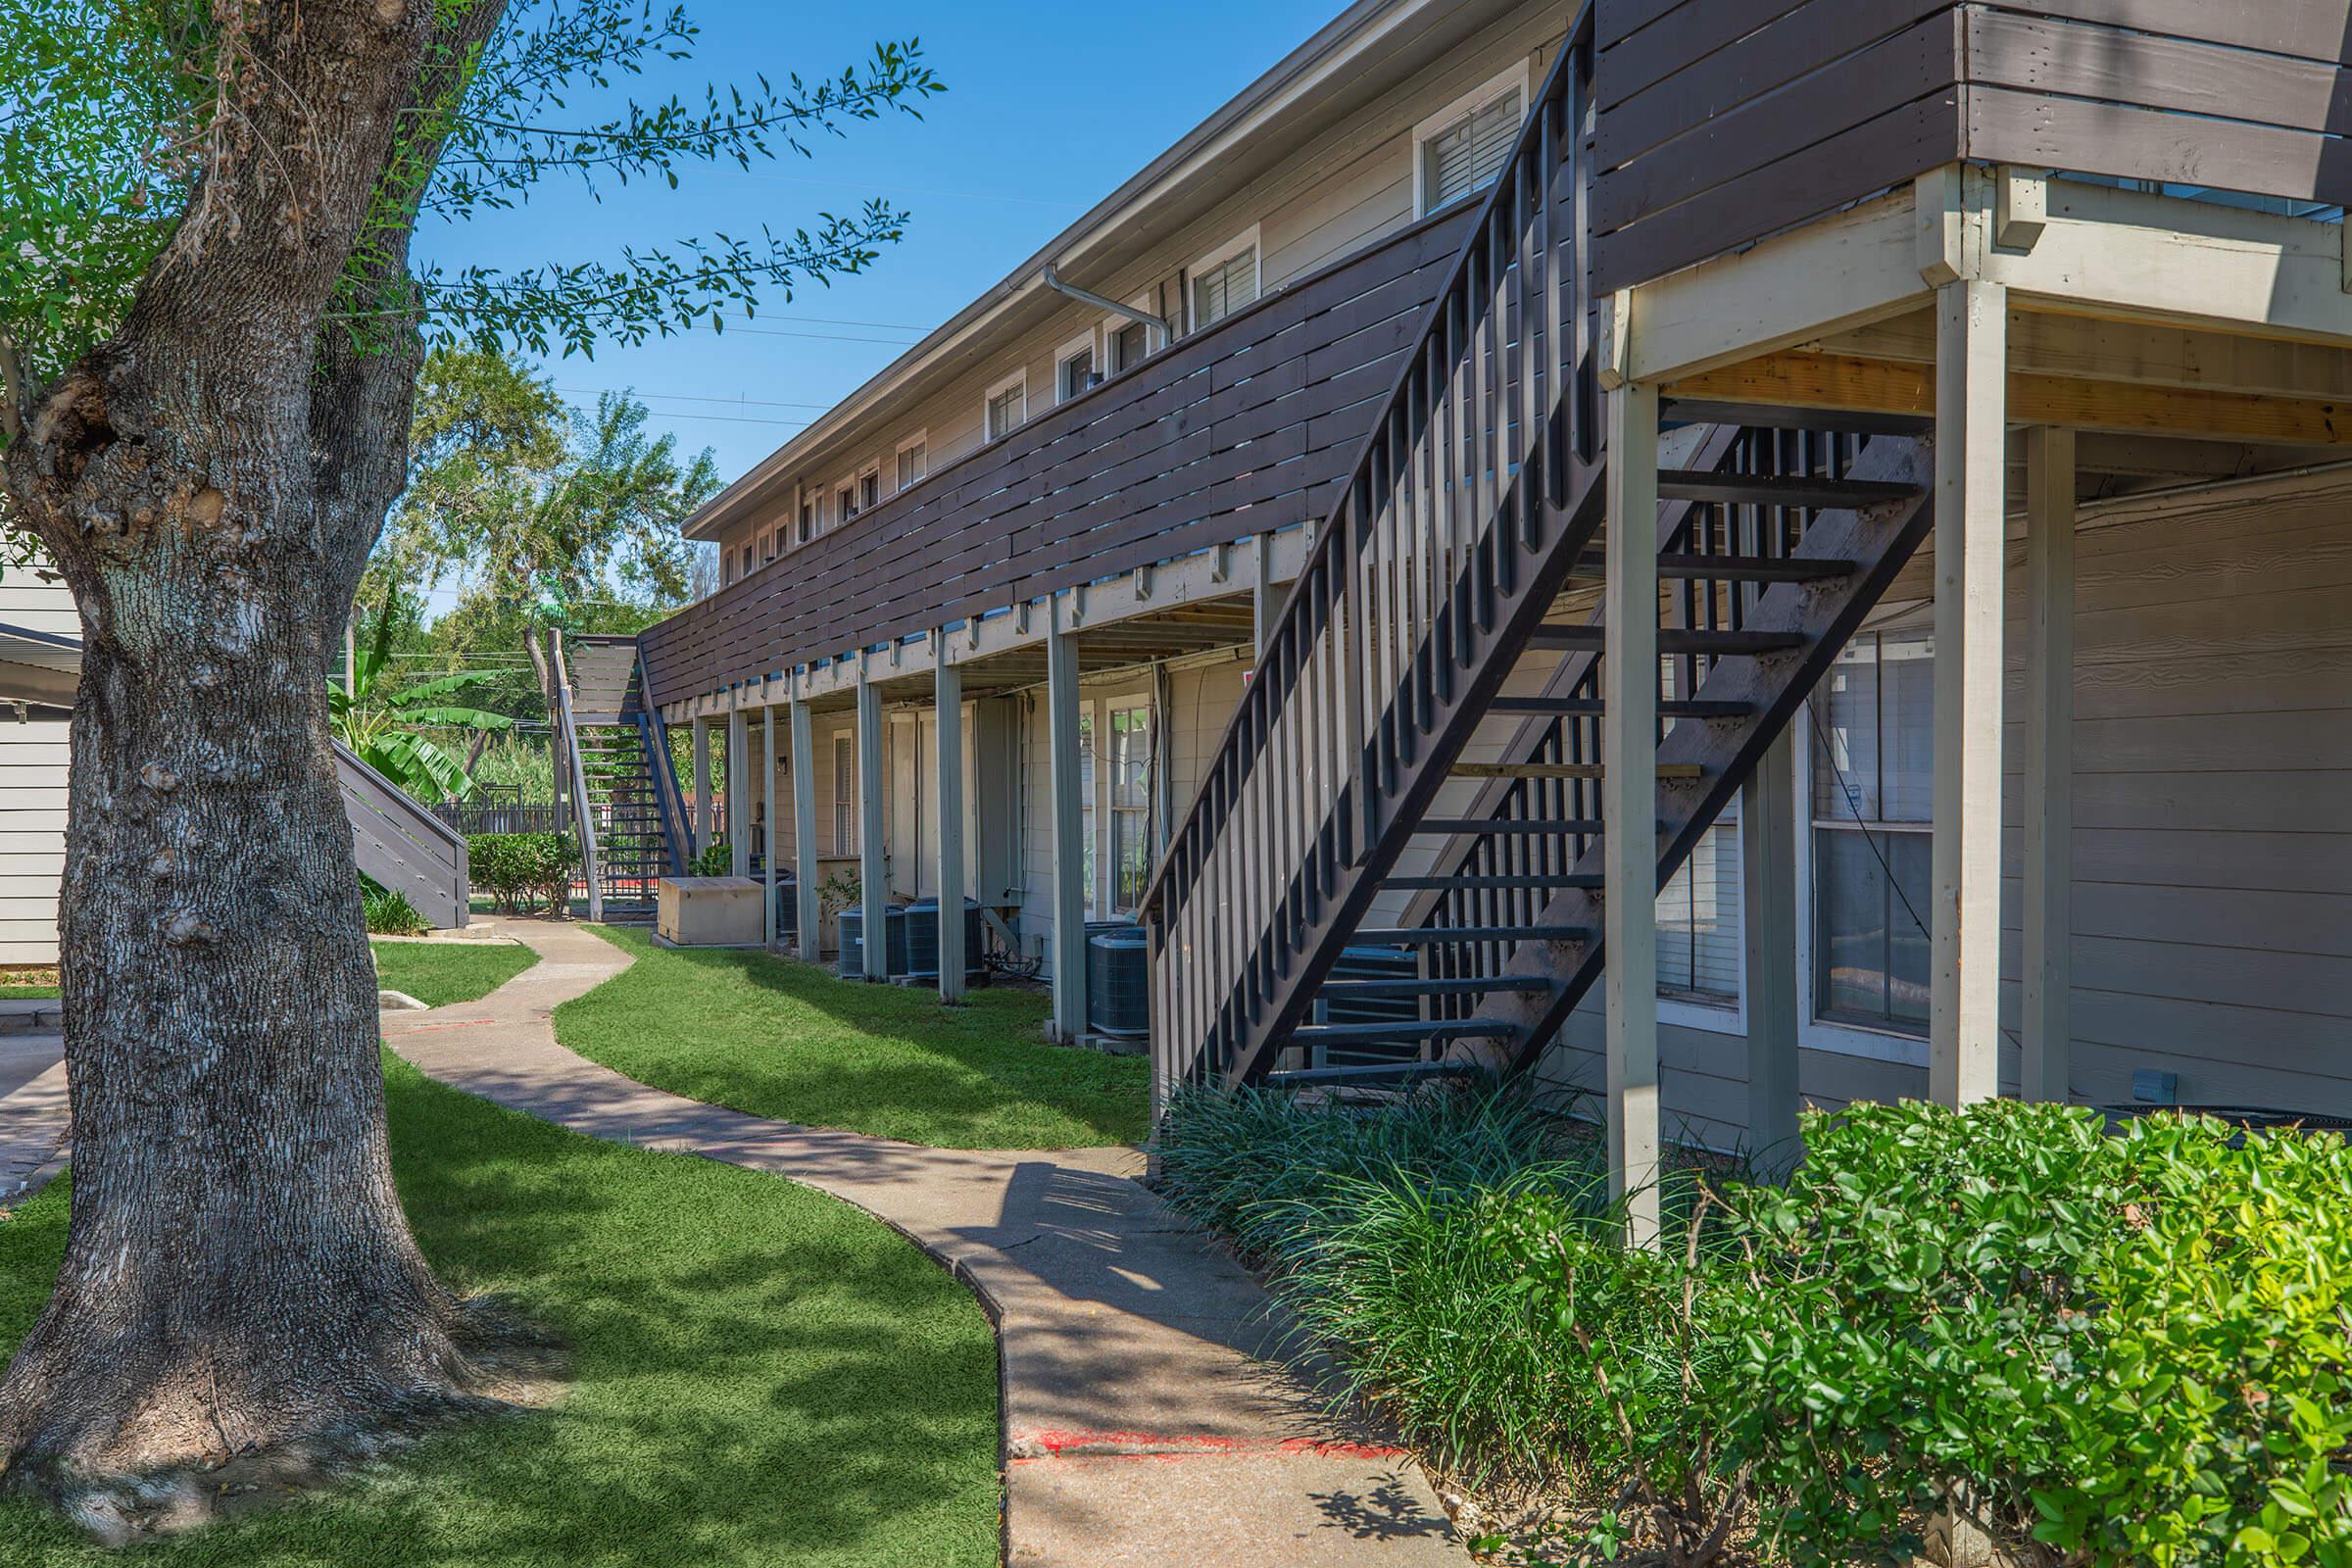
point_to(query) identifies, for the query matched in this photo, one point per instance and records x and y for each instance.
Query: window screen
(1700, 935)
(1129, 347)
(1872, 805)
(845, 796)
(1220, 290)
(1006, 411)
(1077, 374)
(1470, 152)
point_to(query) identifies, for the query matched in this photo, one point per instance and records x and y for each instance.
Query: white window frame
(1246, 240)
(849, 483)
(1445, 119)
(1089, 343)
(1813, 1032)
(1155, 337)
(814, 506)
(1018, 380)
(921, 438)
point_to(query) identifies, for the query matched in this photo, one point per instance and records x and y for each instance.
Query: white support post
(874, 876)
(1264, 602)
(701, 785)
(2049, 761)
(810, 915)
(1768, 871)
(1630, 806)
(1971, 469)
(950, 747)
(770, 813)
(739, 792)
(1069, 826)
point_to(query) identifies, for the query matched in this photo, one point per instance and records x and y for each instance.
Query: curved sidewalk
(1147, 1419)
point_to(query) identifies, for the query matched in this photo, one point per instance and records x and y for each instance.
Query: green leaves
(523, 870)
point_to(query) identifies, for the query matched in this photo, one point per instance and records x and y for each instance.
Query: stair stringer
(1713, 445)
(1325, 924)
(1881, 541)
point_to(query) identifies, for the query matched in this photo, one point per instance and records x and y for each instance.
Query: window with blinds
(911, 459)
(1224, 288)
(1462, 158)
(845, 796)
(1700, 933)
(1005, 412)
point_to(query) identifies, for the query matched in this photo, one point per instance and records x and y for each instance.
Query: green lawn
(438, 973)
(779, 1038)
(8, 989)
(765, 1377)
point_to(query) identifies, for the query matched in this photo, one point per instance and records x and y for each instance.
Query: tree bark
(239, 1276)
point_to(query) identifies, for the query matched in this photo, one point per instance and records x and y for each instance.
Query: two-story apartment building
(1837, 506)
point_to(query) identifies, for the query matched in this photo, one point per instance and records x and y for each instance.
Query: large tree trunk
(239, 1276)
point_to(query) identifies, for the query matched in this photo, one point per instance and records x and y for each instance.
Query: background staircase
(1469, 542)
(633, 821)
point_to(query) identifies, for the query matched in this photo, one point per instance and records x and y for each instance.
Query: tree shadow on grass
(778, 1038)
(761, 1374)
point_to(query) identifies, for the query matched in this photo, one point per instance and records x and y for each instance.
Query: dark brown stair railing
(1472, 499)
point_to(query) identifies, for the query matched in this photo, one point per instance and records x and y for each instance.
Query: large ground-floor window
(1872, 803)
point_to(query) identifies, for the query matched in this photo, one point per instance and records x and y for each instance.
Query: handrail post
(582, 814)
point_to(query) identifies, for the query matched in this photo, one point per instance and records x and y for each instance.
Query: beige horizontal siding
(2212, 841)
(33, 837)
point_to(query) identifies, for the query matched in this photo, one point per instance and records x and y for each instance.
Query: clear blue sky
(1051, 106)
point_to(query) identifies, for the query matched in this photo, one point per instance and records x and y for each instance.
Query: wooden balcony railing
(1249, 425)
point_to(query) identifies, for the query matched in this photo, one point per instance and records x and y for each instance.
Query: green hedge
(2098, 1347)
(524, 871)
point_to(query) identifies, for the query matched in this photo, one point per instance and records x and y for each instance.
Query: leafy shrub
(524, 871)
(2218, 1427)
(843, 890)
(389, 913)
(2103, 1349)
(2131, 1347)
(715, 860)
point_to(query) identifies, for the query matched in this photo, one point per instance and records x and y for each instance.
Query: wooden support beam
(1971, 470)
(810, 914)
(1068, 958)
(873, 870)
(1884, 386)
(1768, 875)
(2090, 349)
(701, 785)
(1629, 794)
(948, 697)
(771, 814)
(2048, 1034)
(739, 792)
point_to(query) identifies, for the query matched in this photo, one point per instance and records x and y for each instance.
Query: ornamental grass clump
(1416, 1240)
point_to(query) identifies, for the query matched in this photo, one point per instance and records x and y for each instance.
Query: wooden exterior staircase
(1468, 538)
(630, 818)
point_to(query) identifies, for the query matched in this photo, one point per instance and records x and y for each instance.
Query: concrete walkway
(1146, 1420)
(34, 1113)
